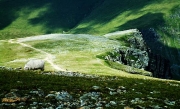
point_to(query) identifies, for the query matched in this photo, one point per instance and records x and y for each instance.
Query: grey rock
(113, 93)
(139, 55)
(63, 96)
(96, 87)
(12, 95)
(113, 103)
(74, 74)
(89, 98)
(38, 92)
(168, 102)
(137, 101)
(110, 89)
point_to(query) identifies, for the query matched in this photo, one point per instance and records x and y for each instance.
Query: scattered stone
(93, 99)
(63, 96)
(113, 103)
(156, 107)
(112, 93)
(96, 87)
(90, 98)
(38, 92)
(137, 101)
(171, 103)
(70, 74)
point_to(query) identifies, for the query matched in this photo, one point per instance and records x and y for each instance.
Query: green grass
(120, 15)
(14, 55)
(79, 53)
(167, 43)
(94, 17)
(128, 68)
(159, 89)
(21, 19)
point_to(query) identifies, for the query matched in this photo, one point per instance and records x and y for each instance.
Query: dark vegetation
(63, 15)
(155, 19)
(76, 16)
(153, 92)
(166, 39)
(109, 10)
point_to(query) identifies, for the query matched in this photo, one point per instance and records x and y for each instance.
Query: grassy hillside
(81, 52)
(132, 92)
(9, 54)
(24, 18)
(20, 19)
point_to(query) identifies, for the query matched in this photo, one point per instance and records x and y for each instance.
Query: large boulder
(35, 64)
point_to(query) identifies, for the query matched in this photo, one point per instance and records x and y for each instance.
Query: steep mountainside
(31, 17)
(23, 18)
(121, 15)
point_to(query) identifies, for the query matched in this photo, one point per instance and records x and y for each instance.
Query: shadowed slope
(120, 15)
(26, 18)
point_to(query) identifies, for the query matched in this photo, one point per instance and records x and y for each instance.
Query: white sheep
(35, 64)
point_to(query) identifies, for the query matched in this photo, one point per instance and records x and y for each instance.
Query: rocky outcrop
(139, 55)
(136, 55)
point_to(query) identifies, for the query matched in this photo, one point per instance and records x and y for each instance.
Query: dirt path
(48, 57)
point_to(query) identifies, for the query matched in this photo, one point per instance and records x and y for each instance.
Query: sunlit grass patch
(134, 14)
(76, 42)
(85, 63)
(14, 55)
(78, 52)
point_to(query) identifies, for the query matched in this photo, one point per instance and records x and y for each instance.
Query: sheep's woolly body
(34, 64)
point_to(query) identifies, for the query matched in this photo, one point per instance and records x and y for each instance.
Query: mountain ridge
(21, 19)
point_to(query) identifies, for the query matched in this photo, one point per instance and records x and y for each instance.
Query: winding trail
(48, 57)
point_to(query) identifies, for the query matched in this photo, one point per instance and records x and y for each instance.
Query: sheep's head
(26, 68)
